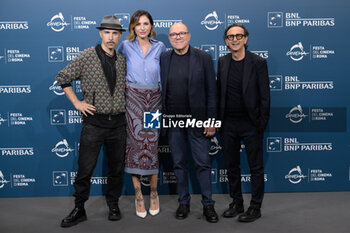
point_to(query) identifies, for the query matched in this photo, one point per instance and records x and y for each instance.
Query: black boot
(233, 210)
(250, 215)
(76, 216)
(182, 211)
(210, 214)
(114, 213)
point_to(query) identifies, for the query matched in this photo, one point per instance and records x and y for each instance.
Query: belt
(109, 116)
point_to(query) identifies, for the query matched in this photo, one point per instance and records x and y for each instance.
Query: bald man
(189, 92)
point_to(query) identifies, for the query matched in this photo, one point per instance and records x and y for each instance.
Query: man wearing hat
(102, 72)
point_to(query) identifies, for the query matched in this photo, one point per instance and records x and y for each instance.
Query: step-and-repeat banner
(306, 44)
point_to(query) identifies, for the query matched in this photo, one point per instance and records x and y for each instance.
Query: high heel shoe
(156, 211)
(140, 214)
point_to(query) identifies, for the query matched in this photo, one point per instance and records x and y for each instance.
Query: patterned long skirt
(141, 144)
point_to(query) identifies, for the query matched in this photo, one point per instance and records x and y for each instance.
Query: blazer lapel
(167, 68)
(192, 64)
(224, 74)
(247, 70)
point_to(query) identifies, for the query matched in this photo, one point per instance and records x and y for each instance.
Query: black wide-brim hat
(111, 22)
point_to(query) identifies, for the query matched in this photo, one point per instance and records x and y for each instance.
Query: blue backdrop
(305, 43)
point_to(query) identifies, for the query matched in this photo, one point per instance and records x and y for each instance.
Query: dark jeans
(178, 142)
(91, 140)
(233, 131)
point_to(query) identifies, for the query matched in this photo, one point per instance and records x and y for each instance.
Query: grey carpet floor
(326, 212)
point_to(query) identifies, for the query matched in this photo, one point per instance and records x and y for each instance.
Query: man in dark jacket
(244, 108)
(189, 90)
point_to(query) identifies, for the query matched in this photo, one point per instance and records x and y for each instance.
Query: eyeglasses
(232, 37)
(180, 34)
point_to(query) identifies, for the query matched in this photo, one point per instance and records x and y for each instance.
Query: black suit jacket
(202, 89)
(256, 87)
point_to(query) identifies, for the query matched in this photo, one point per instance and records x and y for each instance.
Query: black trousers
(233, 132)
(91, 140)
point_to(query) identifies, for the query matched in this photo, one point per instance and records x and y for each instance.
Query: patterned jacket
(88, 68)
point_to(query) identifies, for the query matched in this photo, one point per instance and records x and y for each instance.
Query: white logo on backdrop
(275, 82)
(55, 53)
(124, 19)
(2, 120)
(295, 175)
(296, 52)
(211, 49)
(58, 116)
(211, 21)
(274, 144)
(3, 181)
(62, 149)
(275, 19)
(56, 88)
(60, 178)
(214, 147)
(57, 23)
(296, 114)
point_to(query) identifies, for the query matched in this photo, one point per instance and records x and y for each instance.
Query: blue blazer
(256, 88)
(202, 89)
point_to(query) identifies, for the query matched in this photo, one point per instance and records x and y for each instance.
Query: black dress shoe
(76, 216)
(114, 213)
(250, 215)
(233, 210)
(210, 214)
(182, 211)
